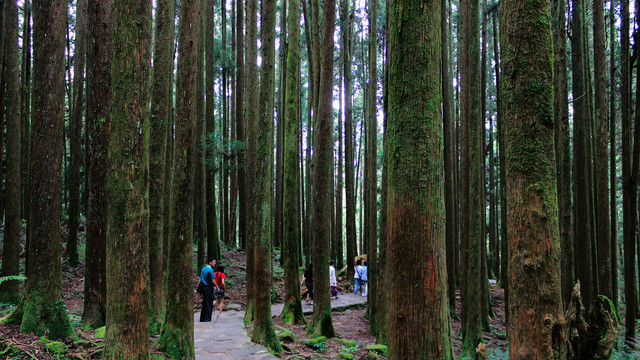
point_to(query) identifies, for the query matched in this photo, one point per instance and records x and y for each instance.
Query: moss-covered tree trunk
(161, 111)
(562, 146)
(323, 160)
(416, 208)
(9, 291)
(41, 309)
(213, 241)
(292, 311)
(260, 165)
(472, 171)
(127, 327)
(176, 337)
(98, 122)
(536, 322)
(75, 131)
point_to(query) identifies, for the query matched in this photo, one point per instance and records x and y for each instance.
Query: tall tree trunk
(177, 332)
(416, 207)
(127, 328)
(350, 195)
(280, 109)
(292, 310)
(613, 151)
(534, 247)
(372, 160)
(25, 105)
(161, 110)
(98, 123)
(601, 152)
(236, 115)
(473, 204)
(75, 131)
(41, 309)
(628, 212)
(241, 118)
(199, 225)
(260, 166)
(213, 242)
(10, 291)
(562, 147)
(252, 113)
(323, 160)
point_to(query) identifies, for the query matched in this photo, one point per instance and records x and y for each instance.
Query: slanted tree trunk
(177, 332)
(99, 55)
(127, 328)
(41, 309)
(10, 291)
(416, 209)
(534, 246)
(161, 110)
(323, 160)
(292, 310)
(75, 131)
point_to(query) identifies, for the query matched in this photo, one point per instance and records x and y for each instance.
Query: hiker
(221, 292)
(356, 275)
(363, 278)
(307, 280)
(207, 278)
(332, 280)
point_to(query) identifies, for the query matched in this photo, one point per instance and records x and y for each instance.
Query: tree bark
(350, 197)
(613, 152)
(199, 224)
(536, 322)
(127, 328)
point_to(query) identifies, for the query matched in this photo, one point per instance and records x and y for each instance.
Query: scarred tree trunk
(177, 332)
(534, 247)
(127, 328)
(41, 309)
(416, 210)
(323, 160)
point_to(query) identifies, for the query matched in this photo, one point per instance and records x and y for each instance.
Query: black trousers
(207, 303)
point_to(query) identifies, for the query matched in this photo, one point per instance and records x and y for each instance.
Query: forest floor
(349, 324)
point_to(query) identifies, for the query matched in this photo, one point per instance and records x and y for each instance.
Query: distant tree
(41, 309)
(415, 228)
(127, 327)
(10, 291)
(98, 121)
(176, 337)
(536, 321)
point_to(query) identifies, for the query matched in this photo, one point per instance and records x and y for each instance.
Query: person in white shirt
(363, 279)
(333, 282)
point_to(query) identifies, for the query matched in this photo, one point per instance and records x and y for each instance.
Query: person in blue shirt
(207, 278)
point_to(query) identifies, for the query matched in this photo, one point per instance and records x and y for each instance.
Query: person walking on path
(220, 294)
(356, 275)
(363, 278)
(333, 282)
(207, 278)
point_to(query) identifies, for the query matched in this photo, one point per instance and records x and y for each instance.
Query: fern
(12, 277)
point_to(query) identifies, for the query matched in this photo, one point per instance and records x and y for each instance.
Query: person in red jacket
(220, 276)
